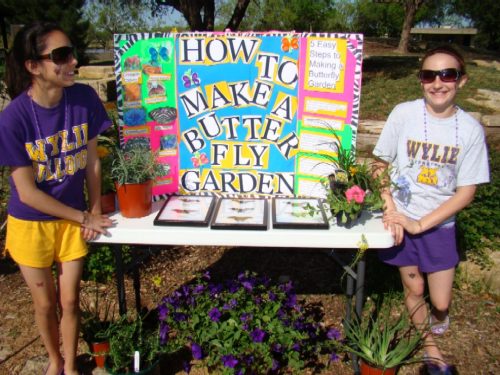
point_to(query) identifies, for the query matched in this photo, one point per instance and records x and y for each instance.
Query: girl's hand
(93, 224)
(410, 225)
(89, 234)
(396, 229)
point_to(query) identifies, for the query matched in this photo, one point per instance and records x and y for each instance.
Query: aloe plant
(384, 341)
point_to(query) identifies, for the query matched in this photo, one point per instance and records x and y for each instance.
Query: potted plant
(383, 342)
(246, 325)
(97, 313)
(133, 170)
(352, 188)
(134, 345)
(108, 194)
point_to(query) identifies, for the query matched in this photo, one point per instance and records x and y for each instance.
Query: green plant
(477, 224)
(100, 262)
(97, 316)
(246, 325)
(352, 187)
(383, 340)
(132, 165)
(134, 333)
(105, 152)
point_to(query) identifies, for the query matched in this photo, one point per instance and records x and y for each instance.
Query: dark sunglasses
(445, 75)
(61, 55)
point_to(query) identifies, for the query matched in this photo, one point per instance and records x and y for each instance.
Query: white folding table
(142, 231)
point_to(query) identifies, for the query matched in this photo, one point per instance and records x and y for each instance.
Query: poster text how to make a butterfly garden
(239, 113)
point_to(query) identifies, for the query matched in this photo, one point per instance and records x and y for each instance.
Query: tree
(200, 14)
(66, 13)
(484, 15)
(375, 19)
(410, 7)
(106, 18)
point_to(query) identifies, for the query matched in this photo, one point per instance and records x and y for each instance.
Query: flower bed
(243, 326)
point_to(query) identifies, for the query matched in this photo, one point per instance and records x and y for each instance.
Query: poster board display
(240, 113)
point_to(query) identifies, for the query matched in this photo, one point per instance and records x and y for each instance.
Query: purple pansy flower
(164, 330)
(214, 314)
(257, 335)
(196, 351)
(333, 334)
(229, 361)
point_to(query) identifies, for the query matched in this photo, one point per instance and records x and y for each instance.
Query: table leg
(360, 287)
(137, 284)
(120, 279)
(349, 293)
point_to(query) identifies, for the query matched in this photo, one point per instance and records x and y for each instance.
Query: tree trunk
(411, 7)
(191, 10)
(238, 14)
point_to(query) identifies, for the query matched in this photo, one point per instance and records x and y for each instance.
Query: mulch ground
(471, 344)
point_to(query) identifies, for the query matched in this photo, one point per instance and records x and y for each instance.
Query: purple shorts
(433, 250)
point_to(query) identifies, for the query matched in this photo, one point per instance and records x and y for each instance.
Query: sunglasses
(59, 56)
(445, 75)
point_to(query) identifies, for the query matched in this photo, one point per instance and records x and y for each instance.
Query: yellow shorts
(39, 243)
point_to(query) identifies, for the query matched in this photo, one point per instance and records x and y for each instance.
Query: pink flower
(355, 193)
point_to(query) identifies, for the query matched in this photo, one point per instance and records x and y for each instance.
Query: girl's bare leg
(70, 274)
(43, 293)
(414, 288)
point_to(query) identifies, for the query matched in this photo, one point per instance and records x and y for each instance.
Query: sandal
(435, 369)
(439, 327)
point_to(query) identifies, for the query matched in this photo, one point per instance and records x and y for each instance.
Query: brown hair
(447, 50)
(28, 44)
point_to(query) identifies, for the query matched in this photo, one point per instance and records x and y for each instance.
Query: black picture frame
(241, 213)
(186, 210)
(294, 213)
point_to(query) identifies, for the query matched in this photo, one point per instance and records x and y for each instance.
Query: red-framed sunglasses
(59, 56)
(445, 75)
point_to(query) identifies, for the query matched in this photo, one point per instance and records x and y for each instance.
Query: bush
(100, 262)
(477, 224)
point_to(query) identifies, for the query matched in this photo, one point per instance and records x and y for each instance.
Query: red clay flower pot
(134, 200)
(108, 203)
(367, 369)
(100, 351)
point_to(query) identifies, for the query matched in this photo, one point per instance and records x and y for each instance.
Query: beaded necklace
(456, 124)
(65, 126)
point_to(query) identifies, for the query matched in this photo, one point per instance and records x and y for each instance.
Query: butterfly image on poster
(156, 54)
(163, 115)
(190, 79)
(199, 159)
(134, 117)
(132, 63)
(168, 142)
(155, 88)
(289, 43)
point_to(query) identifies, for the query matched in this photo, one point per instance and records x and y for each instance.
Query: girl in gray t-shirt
(437, 155)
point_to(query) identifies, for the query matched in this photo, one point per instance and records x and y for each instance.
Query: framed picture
(241, 213)
(186, 210)
(299, 213)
